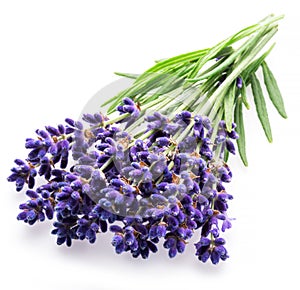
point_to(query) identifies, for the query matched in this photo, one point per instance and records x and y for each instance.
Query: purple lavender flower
(130, 108)
(23, 173)
(152, 186)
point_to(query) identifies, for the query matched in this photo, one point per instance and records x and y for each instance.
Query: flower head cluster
(163, 183)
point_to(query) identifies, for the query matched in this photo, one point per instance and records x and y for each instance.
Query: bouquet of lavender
(153, 165)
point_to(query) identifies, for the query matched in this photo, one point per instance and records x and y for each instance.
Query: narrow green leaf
(261, 107)
(210, 54)
(225, 52)
(241, 141)
(221, 49)
(229, 106)
(273, 90)
(186, 57)
(244, 96)
(217, 63)
(127, 75)
(253, 67)
(226, 155)
(211, 91)
(215, 122)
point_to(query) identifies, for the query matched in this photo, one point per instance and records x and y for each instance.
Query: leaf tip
(244, 160)
(229, 126)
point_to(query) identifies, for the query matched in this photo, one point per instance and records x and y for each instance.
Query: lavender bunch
(149, 188)
(154, 166)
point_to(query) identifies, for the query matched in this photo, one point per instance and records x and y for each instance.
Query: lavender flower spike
(154, 188)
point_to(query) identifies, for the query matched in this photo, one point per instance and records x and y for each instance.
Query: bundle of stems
(212, 81)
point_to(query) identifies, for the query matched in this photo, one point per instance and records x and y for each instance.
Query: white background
(55, 55)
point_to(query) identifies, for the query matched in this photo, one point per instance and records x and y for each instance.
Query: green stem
(185, 132)
(215, 123)
(117, 119)
(147, 134)
(106, 164)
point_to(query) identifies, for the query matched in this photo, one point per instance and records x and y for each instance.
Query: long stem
(117, 119)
